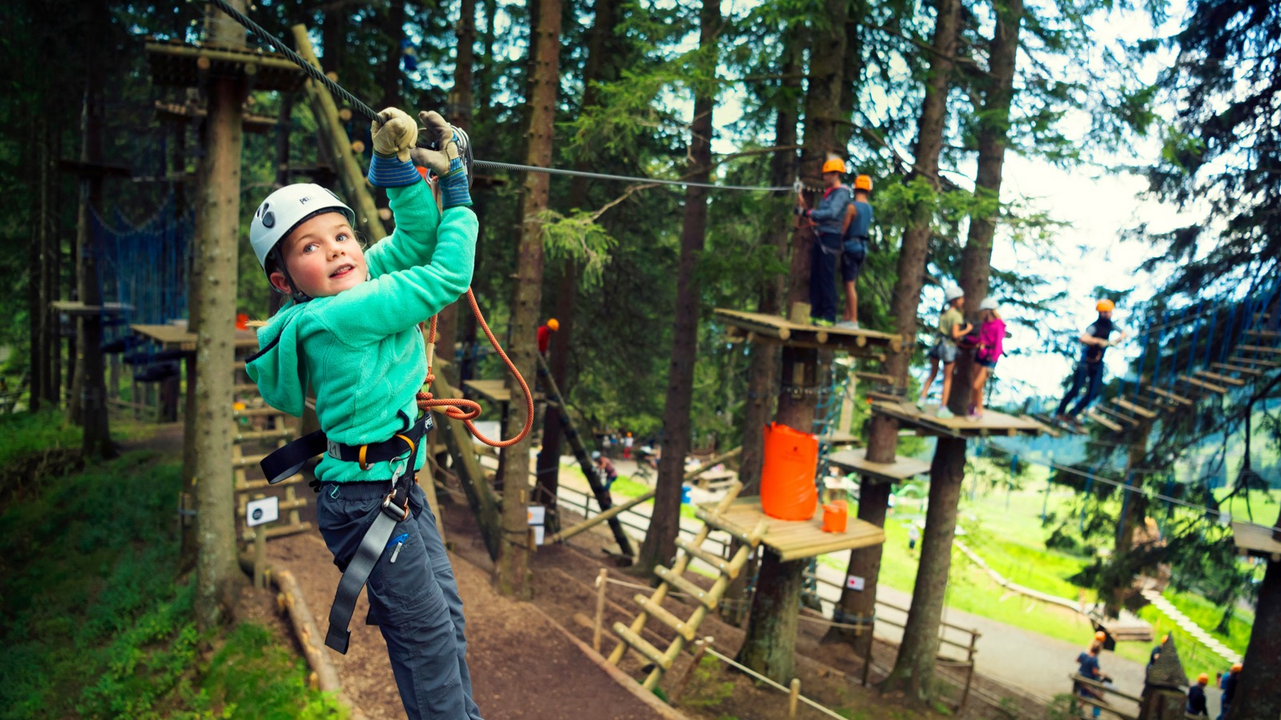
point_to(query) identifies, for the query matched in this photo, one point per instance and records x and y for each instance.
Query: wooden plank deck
(757, 327)
(855, 460)
(798, 539)
(992, 422)
(1256, 540)
(174, 337)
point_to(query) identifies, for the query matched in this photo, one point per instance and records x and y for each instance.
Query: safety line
(315, 74)
(762, 678)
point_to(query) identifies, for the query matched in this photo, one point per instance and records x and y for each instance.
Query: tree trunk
(38, 292)
(601, 56)
(459, 113)
(333, 39)
(1257, 697)
(1133, 511)
(218, 575)
(915, 663)
(660, 542)
(512, 569)
(852, 74)
(914, 668)
(771, 628)
(394, 28)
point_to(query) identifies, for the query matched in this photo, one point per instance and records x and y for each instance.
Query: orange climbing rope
(468, 410)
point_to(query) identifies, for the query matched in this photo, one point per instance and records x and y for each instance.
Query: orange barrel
(787, 477)
(835, 517)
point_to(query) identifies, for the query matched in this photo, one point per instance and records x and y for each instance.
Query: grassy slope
(96, 623)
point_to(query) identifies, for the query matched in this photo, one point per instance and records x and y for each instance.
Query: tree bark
(218, 576)
(1257, 697)
(601, 60)
(771, 628)
(394, 28)
(660, 542)
(914, 667)
(512, 569)
(38, 292)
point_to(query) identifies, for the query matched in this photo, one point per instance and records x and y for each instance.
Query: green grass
(23, 434)
(96, 623)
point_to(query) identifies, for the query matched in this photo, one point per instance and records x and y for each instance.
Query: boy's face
(323, 256)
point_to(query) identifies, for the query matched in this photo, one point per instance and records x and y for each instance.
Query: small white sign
(854, 582)
(262, 511)
(539, 531)
(536, 514)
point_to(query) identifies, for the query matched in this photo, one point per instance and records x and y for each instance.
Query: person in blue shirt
(1196, 697)
(1095, 341)
(1089, 669)
(829, 224)
(858, 223)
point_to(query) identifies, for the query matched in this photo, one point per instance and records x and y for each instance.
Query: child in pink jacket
(989, 349)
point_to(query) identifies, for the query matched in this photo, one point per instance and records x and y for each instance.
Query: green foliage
(24, 434)
(97, 624)
(706, 689)
(579, 239)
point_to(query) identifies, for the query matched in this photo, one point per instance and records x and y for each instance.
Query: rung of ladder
(715, 561)
(680, 583)
(258, 412)
(1218, 378)
(275, 530)
(1136, 409)
(874, 377)
(1197, 382)
(247, 461)
(1171, 396)
(1254, 361)
(642, 646)
(245, 387)
(276, 434)
(238, 365)
(1263, 333)
(261, 484)
(1236, 369)
(716, 522)
(1118, 415)
(1098, 418)
(1259, 348)
(666, 617)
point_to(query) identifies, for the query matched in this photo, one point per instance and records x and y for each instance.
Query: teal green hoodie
(361, 350)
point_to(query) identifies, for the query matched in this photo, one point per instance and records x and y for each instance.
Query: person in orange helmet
(1096, 339)
(1229, 685)
(1196, 697)
(829, 224)
(858, 226)
(545, 335)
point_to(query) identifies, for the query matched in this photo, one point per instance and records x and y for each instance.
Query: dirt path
(521, 665)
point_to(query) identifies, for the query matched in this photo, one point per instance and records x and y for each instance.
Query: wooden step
(247, 461)
(1254, 361)
(1171, 396)
(276, 434)
(1197, 382)
(715, 561)
(263, 483)
(680, 583)
(1206, 374)
(1136, 409)
(1118, 415)
(245, 388)
(642, 646)
(1098, 418)
(715, 522)
(874, 377)
(1263, 333)
(1260, 349)
(884, 397)
(275, 531)
(258, 412)
(681, 627)
(1236, 369)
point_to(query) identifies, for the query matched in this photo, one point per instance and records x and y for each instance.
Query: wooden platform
(927, 423)
(75, 307)
(855, 460)
(1256, 540)
(795, 540)
(772, 329)
(494, 390)
(175, 112)
(1127, 628)
(178, 64)
(837, 438)
(173, 337)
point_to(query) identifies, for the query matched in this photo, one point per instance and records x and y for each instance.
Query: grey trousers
(413, 598)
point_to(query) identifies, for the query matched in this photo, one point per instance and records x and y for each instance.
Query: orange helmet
(863, 182)
(1236, 667)
(553, 324)
(1202, 679)
(1100, 636)
(835, 165)
(1105, 306)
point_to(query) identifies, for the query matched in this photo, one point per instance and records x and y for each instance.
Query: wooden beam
(1098, 418)
(874, 377)
(1259, 348)
(1118, 415)
(1237, 369)
(1219, 378)
(1198, 383)
(1170, 396)
(1137, 410)
(1263, 333)
(1255, 361)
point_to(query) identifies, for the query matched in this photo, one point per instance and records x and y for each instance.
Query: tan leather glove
(394, 133)
(441, 133)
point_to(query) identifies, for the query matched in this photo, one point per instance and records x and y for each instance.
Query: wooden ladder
(281, 432)
(727, 570)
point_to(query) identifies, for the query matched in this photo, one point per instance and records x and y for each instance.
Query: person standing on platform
(1089, 370)
(545, 335)
(952, 327)
(989, 350)
(829, 222)
(858, 226)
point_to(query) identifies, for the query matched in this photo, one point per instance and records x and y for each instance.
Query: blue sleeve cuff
(453, 186)
(388, 172)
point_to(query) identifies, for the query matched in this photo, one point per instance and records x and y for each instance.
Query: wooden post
(602, 580)
(793, 697)
(339, 145)
(700, 649)
(969, 672)
(867, 658)
(470, 475)
(260, 551)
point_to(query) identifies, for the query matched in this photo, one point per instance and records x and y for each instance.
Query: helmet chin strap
(297, 295)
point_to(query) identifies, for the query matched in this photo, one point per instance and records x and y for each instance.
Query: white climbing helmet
(953, 292)
(286, 209)
(989, 304)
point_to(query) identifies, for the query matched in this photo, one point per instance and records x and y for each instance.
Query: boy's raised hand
(394, 133)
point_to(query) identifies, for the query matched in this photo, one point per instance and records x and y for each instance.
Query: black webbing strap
(288, 460)
(358, 570)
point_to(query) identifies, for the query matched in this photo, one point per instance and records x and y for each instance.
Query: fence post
(792, 698)
(601, 582)
(969, 673)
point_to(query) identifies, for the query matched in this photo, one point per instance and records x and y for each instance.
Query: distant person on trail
(1089, 369)
(545, 335)
(604, 469)
(952, 327)
(1229, 685)
(829, 224)
(1156, 651)
(628, 441)
(351, 334)
(1196, 696)
(989, 349)
(858, 226)
(1089, 669)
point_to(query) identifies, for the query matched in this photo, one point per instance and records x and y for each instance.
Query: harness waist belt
(288, 460)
